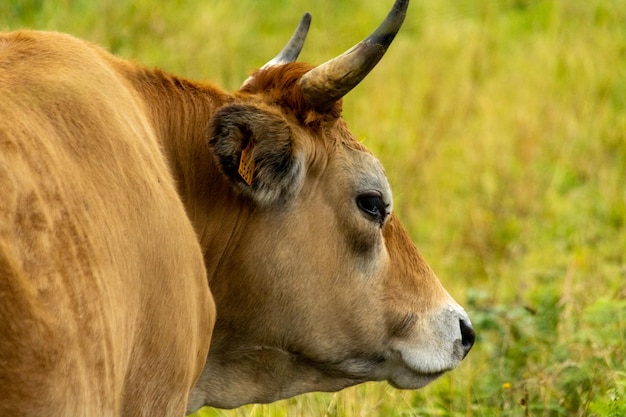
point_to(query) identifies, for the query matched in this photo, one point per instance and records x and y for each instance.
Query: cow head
(318, 286)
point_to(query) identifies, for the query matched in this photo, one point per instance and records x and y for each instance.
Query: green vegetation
(502, 126)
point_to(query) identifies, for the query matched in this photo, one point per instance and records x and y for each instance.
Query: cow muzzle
(437, 343)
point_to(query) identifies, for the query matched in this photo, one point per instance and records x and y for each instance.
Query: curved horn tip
(387, 30)
(325, 84)
(400, 5)
(293, 47)
(306, 19)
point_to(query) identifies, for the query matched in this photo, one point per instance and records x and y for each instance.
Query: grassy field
(502, 126)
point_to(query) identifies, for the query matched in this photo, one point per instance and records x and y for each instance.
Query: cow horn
(328, 82)
(291, 51)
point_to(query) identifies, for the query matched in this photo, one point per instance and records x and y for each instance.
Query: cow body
(123, 202)
(96, 288)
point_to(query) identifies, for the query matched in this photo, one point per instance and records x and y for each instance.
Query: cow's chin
(412, 380)
(405, 377)
(403, 371)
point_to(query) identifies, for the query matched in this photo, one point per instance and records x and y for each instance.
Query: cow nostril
(467, 336)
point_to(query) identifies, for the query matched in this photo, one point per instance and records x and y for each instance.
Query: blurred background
(502, 127)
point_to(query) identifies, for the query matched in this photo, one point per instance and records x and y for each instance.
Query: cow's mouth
(360, 367)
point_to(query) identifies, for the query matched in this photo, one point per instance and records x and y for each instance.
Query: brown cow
(125, 189)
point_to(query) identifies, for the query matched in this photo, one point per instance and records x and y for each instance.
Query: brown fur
(92, 236)
(120, 202)
(279, 85)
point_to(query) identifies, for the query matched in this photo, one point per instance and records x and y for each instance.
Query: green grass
(502, 126)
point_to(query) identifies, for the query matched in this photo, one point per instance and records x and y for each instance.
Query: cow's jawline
(357, 367)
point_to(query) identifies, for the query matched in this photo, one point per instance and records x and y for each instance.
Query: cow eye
(373, 205)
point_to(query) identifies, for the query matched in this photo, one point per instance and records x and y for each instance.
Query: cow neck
(181, 110)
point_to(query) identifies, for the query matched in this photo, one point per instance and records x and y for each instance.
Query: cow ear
(254, 149)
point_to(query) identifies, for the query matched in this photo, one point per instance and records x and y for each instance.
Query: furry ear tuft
(278, 172)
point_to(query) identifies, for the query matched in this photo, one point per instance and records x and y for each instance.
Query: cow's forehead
(361, 171)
